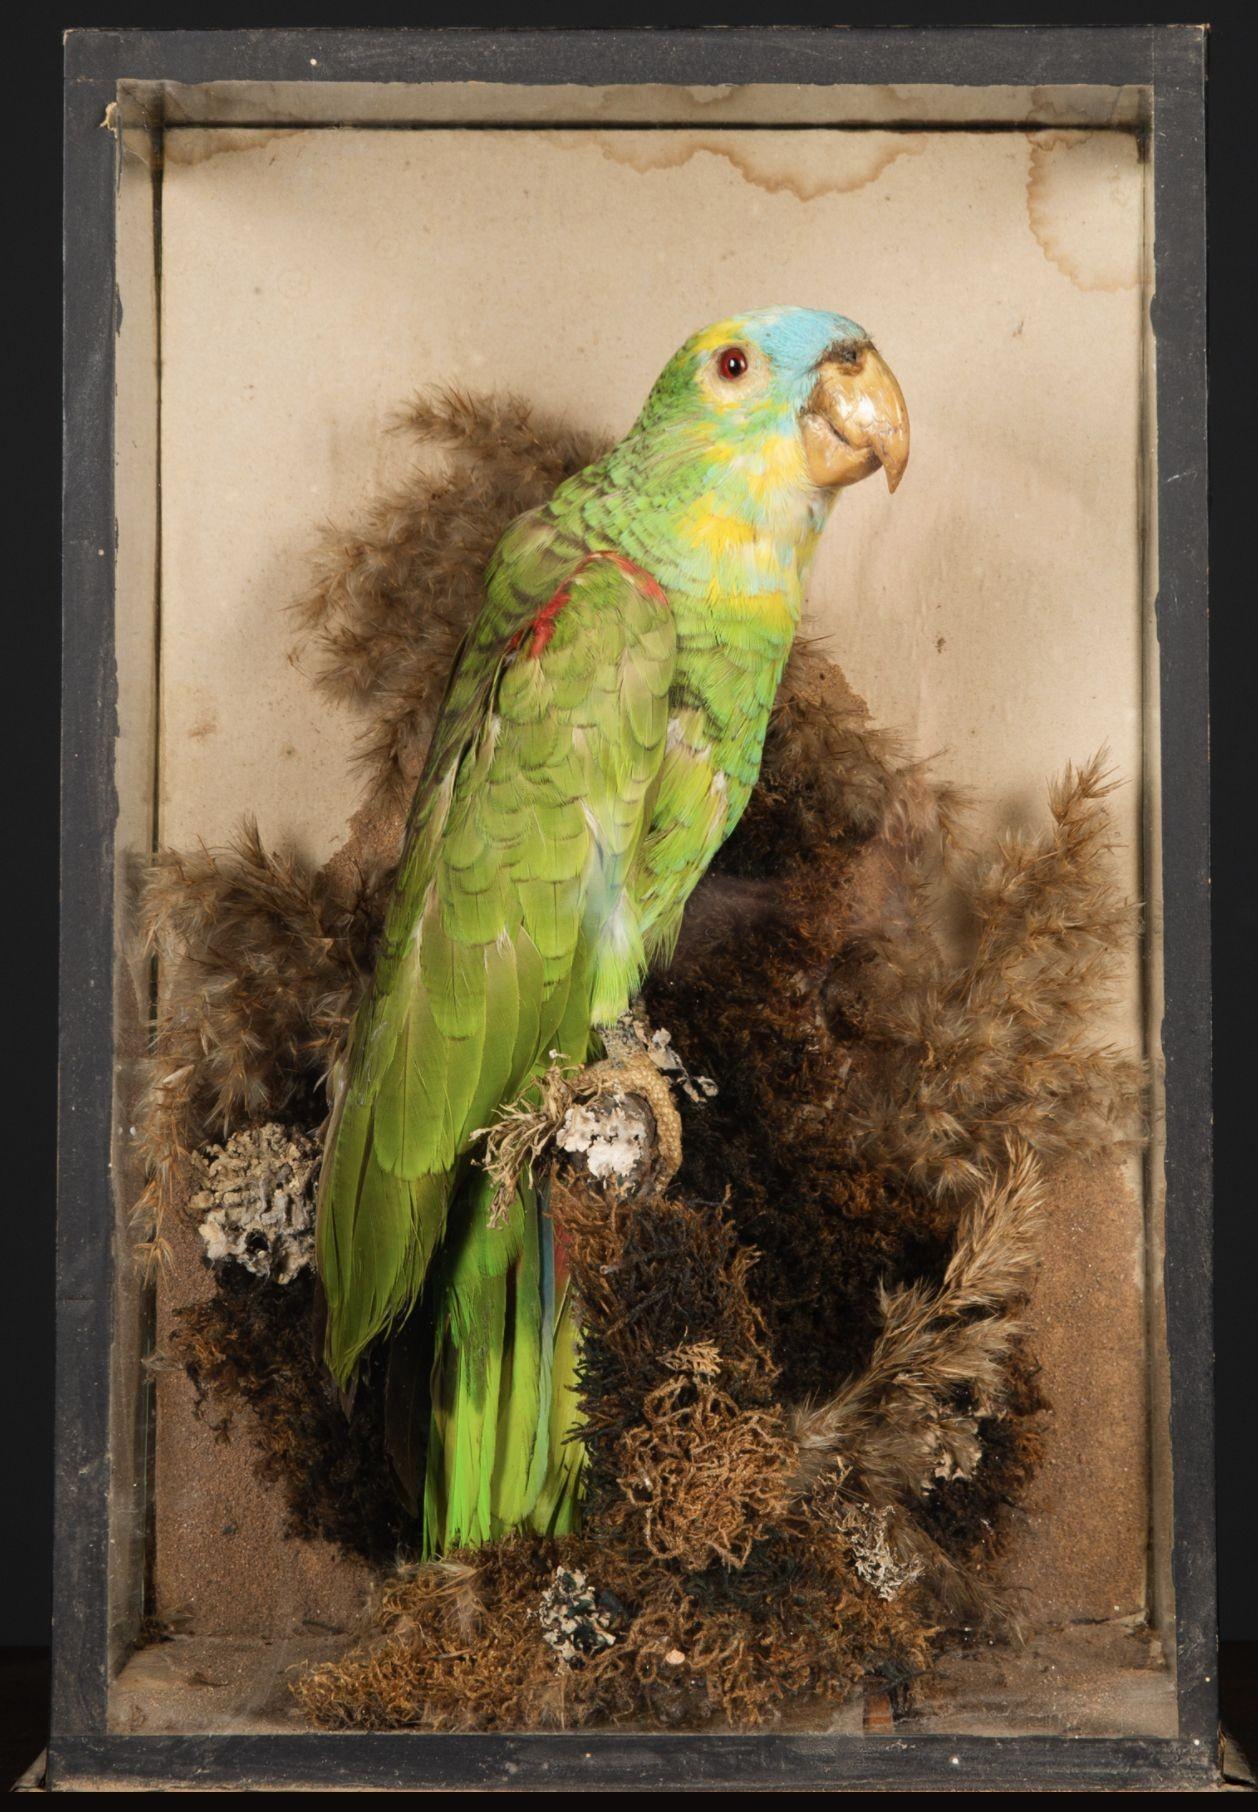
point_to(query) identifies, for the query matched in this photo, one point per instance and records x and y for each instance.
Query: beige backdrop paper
(992, 610)
(314, 279)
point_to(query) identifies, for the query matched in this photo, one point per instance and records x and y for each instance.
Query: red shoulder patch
(541, 627)
(648, 586)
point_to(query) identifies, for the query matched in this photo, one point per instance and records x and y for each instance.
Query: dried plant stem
(515, 1141)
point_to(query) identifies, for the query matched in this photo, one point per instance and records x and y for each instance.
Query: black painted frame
(1169, 60)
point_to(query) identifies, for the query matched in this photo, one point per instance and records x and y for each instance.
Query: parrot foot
(629, 1068)
(616, 1121)
(632, 1074)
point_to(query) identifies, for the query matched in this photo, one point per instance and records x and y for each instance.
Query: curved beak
(855, 420)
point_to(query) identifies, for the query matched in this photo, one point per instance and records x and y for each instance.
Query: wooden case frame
(1168, 63)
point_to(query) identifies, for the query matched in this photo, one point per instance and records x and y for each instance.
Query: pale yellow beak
(855, 421)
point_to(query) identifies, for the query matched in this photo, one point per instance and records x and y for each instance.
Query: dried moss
(691, 1459)
(461, 1648)
(460, 1645)
(743, 1592)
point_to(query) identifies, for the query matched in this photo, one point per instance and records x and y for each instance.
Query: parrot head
(796, 398)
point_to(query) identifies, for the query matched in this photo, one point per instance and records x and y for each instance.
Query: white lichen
(255, 1200)
(612, 1137)
(874, 1556)
(617, 1117)
(576, 1621)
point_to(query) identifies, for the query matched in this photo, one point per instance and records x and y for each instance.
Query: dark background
(29, 640)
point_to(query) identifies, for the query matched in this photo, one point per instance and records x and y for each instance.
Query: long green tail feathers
(502, 1451)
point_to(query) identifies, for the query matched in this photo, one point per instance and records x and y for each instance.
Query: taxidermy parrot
(600, 736)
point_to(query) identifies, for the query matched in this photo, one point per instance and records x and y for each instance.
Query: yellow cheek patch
(776, 464)
(722, 450)
(705, 525)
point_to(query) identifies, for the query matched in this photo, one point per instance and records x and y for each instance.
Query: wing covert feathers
(510, 928)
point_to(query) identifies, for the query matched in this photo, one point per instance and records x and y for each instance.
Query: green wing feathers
(510, 935)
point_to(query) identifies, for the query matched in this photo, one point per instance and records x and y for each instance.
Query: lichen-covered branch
(614, 1122)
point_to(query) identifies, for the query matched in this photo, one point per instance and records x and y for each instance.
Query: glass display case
(902, 1475)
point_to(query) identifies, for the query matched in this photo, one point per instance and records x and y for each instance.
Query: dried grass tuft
(938, 1365)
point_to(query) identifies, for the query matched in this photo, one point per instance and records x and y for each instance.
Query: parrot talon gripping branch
(681, 1175)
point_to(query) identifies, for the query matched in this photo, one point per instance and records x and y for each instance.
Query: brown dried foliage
(261, 962)
(940, 1360)
(957, 1057)
(731, 1601)
(734, 1540)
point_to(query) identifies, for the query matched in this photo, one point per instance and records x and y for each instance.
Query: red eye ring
(732, 362)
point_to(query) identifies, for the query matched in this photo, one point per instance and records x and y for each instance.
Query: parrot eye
(731, 363)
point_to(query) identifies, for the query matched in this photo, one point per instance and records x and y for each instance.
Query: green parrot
(600, 736)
